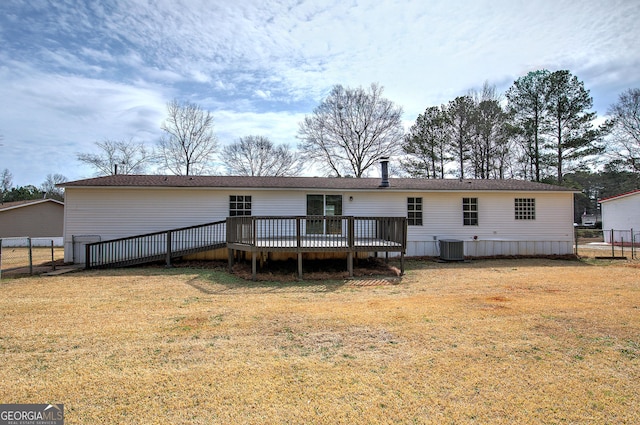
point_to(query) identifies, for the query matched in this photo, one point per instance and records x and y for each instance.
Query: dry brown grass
(487, 342)
(616, 252)
(16, 259)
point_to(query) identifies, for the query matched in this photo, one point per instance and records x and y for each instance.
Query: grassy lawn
(484, 342)
(18, 257)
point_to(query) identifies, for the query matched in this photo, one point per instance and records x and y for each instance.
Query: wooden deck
(257, 235)
(316, 234)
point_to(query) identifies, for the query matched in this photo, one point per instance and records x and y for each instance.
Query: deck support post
(299, 265)
(402, 264)
(254, 270)
(230, 255)
(350, 263)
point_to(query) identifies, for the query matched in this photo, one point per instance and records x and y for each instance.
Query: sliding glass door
(327, 205)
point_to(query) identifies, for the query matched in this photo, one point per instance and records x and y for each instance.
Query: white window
(414, 211)
(525, 208)
(470, 211)
(239, 205)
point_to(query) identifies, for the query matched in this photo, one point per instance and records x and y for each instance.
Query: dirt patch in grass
(492, 341)
(313, 270)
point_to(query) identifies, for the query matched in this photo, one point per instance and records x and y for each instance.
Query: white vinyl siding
(113, 213)
(621, 214)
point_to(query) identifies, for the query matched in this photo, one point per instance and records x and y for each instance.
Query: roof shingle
(242, 182)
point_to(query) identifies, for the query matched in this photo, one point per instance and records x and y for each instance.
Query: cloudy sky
(74, 72)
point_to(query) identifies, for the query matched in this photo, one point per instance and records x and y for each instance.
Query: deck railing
(256, 234)
(318, 233)
(156, 246)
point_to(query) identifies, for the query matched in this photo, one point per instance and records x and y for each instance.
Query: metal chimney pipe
(384, 162)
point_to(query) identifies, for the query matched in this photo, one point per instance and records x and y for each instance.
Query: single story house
(41, 218)
(621, 217)
(489, 217)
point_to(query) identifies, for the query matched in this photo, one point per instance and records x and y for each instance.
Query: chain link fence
(19, 256)
(599, 243)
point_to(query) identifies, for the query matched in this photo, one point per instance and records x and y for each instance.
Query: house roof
(242, 182)
(19, 204)
(622, 195)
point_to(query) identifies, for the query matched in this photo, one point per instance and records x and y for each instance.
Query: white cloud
(263, 94)
(78, 73)
(52, 118)
(279, 127)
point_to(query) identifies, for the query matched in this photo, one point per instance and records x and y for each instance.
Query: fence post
(30, 256)
(53, 260)
(613, 245)
(0, 258)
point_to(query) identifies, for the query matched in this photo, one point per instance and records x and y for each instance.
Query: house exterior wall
(621, 215)
(117, 212)
(497, 232)
(41, 220)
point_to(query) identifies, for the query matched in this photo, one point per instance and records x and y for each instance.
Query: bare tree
(188, 144)
(49, 187)
(258, 156)
(350, 130)
(6, 181)
(118, 157)
(625, 119)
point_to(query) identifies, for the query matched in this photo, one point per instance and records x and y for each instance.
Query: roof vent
(384, 162)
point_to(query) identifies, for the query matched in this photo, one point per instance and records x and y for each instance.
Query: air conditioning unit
(451, 250)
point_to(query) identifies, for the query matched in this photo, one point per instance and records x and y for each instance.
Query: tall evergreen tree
(490, 144)
(425, 145)
(569, 124)
(527, 100)
(460, 116)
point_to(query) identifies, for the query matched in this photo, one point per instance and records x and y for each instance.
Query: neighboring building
(42, 218)
(492, 217)
(621, 213)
